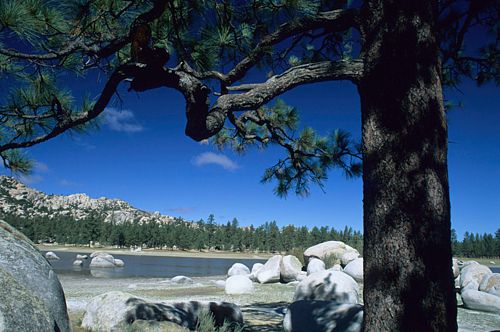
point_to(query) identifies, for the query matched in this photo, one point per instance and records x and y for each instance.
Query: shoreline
(156, 252)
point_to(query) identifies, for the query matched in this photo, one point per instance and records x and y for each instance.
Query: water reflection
(148, 266)
(103, 272)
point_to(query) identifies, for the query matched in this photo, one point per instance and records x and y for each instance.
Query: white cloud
(30, 179)
(40, 167)
(66, 183)
(208, 158)
(121, 120)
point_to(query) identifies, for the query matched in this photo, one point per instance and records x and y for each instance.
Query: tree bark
(408, 283)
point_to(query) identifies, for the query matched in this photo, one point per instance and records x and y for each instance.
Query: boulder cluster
(479, 287)
(324, 297)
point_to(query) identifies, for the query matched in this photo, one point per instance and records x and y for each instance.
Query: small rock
(238, 269)
(78, 262)
(219, 283)
(315, 265)
(181, 280)
(51, 256)
(78, 256)
(239, 284)
(307, 316)
(119, 263)
(270, 272)
(355, 269)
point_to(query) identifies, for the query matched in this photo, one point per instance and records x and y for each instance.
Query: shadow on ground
(264, 316)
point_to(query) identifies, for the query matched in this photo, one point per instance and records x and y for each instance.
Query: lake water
(137, 266)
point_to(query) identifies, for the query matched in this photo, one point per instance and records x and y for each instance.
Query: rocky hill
(19, 200)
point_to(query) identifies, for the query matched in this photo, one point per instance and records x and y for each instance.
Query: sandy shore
(161, 253)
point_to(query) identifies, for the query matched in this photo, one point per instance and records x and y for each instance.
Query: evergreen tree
(398, 53)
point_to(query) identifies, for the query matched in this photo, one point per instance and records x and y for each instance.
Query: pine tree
(399, 54)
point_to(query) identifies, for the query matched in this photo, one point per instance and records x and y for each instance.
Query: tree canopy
(212, 47)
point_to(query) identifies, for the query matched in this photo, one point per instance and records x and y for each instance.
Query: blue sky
(140, 154)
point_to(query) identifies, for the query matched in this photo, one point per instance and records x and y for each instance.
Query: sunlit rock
(270, 272)
(315, 265)
(239, 284)
(329, 286)
(355, 269)
(290, 268)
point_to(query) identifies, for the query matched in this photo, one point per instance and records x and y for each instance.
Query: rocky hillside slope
(19, 200)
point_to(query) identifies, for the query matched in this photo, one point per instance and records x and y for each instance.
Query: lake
(137, 266)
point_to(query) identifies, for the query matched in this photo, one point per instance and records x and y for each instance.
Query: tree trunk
(408, 284)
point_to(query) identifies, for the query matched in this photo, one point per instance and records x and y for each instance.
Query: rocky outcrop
(270, 272)
(355, 269)
(290, 268)
(335, 249)
(18, 200)
(307, 316)
(31, 297)
(328, 286)
(238, 284)
(117, 311)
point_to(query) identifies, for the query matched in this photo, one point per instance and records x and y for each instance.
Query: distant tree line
(209, 234)
(200, 235)
(476, 245)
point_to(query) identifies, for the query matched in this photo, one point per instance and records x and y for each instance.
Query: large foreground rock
(491, 284)
(238, 284)
(290, 268)
(270, 272)
(355, 269)
(328, 286)
(472, 274)
(117, 311)
(324, 316)
(477, 300)
(238, 269)
(31, 297)
(335, 249)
